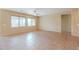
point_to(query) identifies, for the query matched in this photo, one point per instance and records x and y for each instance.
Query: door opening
(66, 24)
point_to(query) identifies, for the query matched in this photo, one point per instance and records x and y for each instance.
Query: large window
(17, 21)
(14, 21)
(22, 21)
(31, 22)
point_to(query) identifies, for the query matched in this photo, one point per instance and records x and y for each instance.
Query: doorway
(66, 24)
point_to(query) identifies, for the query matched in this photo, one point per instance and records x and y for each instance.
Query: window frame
(11, 22)
(19, 20)
(26, 21)
(32, 19)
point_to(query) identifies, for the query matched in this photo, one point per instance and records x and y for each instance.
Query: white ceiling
(42, 11)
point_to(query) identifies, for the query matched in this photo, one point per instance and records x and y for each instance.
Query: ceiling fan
(36, 12)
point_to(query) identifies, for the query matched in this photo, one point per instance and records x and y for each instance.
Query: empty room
(39, 29)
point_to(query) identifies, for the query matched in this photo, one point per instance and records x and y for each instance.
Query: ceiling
(41, 11)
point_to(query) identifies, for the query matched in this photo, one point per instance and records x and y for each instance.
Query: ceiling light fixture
(36, 12)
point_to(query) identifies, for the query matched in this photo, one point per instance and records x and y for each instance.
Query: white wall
(0, 22)
(75, 22)
(51, 23)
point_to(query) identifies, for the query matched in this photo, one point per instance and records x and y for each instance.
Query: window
(18, 21)
(14, 21)
(22, 21)
(31, 22)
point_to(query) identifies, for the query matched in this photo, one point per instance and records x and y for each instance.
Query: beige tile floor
(40, 40)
